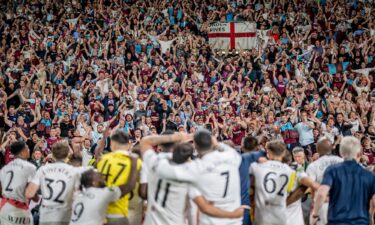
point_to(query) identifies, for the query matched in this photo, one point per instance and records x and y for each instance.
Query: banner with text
(240, 35)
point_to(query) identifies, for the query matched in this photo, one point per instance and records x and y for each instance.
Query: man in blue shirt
(249, 144)
(350, 187)
(305, 132)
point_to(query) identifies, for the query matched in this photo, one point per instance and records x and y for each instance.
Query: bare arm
(150, 141)
(296, 195)
(99, 150)
(320, 197)
(130, 185)
(209, 209)
(31, 190)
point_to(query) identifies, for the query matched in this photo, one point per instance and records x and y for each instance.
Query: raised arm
(148, 142)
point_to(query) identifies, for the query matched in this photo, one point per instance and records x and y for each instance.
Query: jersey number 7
(226, 174)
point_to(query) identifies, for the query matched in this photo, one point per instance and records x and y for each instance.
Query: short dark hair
(287, 158)
(76, 159)
(121, 138)
(324, 146)
(203, 140)
(17, 147)
(87, 178)
(182, 152)
(60, 150)
(249, 144)
(167, 147)
(137, 149)
(276, 147)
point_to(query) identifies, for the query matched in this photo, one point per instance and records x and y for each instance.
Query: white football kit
(216, 177)
(271, 184)
(317, 168)
(166, 198)
(58, 182)
(316, 171)
(90, 205)
(14, 178)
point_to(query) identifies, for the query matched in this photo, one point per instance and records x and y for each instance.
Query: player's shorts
(14, 213)
(54, 216)
(135, 216)
(54, 223)
(323, 214)
(118, 221)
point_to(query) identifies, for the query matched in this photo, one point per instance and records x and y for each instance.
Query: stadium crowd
(82, 71)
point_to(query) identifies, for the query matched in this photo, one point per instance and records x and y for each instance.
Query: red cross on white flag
(224, 35)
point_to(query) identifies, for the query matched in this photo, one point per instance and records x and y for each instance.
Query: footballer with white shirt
(317, 168)
(90, 204)
(14, 178)
(271, 180)
(167, 201)
(215, 175)
(57, 181)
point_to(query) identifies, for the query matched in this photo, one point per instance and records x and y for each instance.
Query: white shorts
(135, 216)
(323, 214)
(11, 215)
(294, 214)
(52, 215)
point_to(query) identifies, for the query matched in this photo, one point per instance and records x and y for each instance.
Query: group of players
(192, 180)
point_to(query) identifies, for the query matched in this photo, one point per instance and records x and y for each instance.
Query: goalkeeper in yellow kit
(115, 167)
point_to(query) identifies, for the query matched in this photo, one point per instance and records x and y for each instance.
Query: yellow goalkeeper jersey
(115, 167)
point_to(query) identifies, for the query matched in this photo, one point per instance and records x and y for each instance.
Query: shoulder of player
(261, 165)
(108, 155)
(22, 163)
(112, 156)
(105, 190)
(339, 159)
(198, 165)
(289, 169)
(312, 165)
(30, 165)
(335, 167)
(94, 193)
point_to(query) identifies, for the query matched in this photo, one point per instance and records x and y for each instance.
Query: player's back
(271, 182)
(167, 199)
(166, 202)
(317, 168)
(14, 178)
(316, 171)
(216, 177)
(90, 205)
(115, 167)
(219, 182)
(58, 181)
